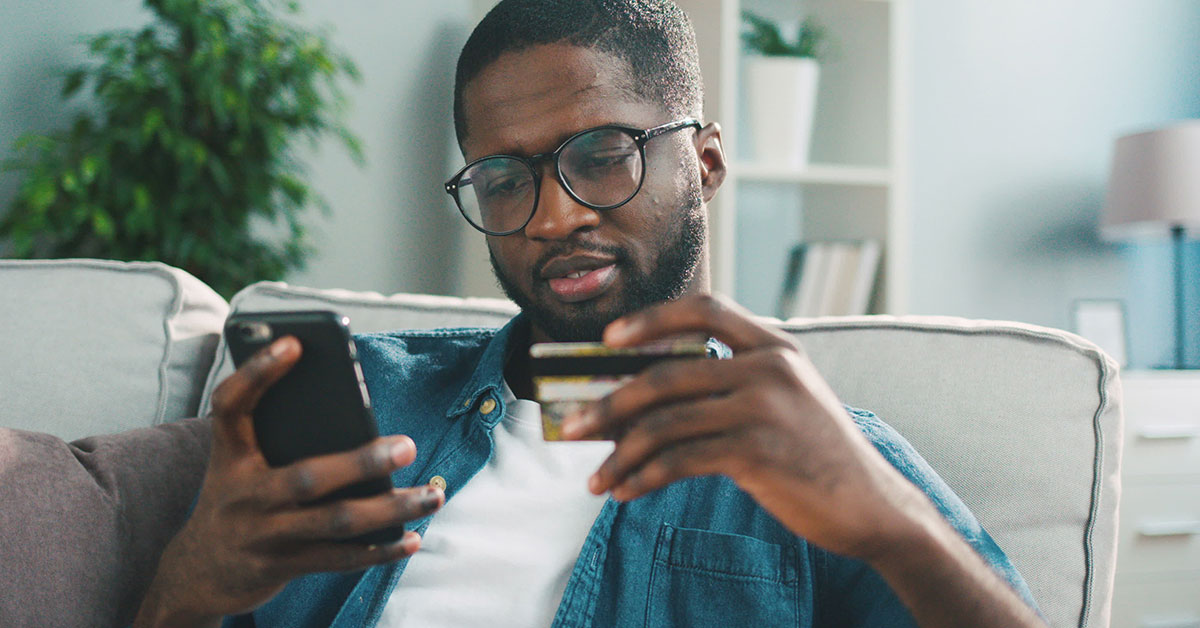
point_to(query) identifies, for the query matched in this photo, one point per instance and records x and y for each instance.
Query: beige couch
(1023, 422)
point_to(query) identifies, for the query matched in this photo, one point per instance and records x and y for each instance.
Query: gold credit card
(568, 375)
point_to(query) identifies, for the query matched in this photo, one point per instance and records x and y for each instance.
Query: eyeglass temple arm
(671, 126)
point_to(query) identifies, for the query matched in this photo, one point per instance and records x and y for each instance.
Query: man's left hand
(765, 418)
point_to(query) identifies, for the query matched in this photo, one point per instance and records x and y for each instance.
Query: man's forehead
(528, 99)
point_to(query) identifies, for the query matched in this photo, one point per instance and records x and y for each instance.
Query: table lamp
(1154, 191)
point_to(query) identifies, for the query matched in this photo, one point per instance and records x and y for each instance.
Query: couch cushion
(1023, 422)
(368, 312)
(83, 524)
(93, 346)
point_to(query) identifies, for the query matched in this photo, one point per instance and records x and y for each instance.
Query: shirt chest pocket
(701, 578)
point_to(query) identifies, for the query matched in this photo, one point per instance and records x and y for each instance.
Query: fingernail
(570, 426)
(619, 330)
(594, 484)
(576, 424)
(431, 499)
(410, 543)
(281, 347)
(399, 451)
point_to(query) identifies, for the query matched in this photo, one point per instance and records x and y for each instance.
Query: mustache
(564, 249)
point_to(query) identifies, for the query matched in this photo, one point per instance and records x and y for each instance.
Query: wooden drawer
(1162, 424)
(1165, 603)
(1160, 527)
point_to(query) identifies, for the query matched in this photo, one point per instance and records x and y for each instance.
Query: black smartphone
(319, 407)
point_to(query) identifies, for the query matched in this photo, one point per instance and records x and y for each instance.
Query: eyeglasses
(601, 168)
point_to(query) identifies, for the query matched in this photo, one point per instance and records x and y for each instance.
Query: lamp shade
(1154, 184)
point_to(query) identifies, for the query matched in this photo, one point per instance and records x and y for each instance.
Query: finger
(235, 398)
(313, 478)
(661, 429)
(705, 456)
(349, 518)
(666, 382)
(716, 316)
(333, 556)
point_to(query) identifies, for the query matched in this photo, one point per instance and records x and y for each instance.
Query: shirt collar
(488, 378)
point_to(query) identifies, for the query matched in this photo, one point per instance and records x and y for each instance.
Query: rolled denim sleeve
(851, 594)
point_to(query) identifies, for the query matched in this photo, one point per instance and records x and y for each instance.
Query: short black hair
(654, 37)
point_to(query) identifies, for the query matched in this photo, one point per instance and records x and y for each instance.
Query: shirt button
(438, 481)
(487, 406)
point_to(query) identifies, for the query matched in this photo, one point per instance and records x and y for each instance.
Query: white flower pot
(781, 98)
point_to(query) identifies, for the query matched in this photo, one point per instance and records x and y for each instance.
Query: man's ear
(712, 160)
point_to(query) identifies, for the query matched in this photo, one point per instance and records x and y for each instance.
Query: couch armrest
(83, 523)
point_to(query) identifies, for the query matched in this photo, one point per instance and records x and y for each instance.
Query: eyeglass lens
(602, 168)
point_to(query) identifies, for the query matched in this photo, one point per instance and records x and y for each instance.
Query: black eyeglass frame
(639, 136)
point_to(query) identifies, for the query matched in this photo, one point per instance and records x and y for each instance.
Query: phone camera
(255, 332)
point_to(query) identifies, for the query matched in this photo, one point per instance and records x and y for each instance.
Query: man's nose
(558, 215)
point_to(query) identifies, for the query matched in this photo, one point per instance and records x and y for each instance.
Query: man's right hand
(254, 528)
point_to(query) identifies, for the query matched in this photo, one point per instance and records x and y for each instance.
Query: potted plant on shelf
(188, 154)
(781, 76)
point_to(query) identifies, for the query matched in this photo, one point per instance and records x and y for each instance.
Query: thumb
(234, 400)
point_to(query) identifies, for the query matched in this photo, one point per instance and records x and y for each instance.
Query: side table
(1158, 555)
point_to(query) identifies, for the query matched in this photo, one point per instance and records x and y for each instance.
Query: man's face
(574, 269)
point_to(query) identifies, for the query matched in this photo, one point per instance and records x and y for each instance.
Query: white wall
(1016, 105)
(394, 228)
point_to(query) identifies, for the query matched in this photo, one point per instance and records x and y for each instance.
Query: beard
(669, 278)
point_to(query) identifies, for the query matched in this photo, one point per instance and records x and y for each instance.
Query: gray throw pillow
(82, 524)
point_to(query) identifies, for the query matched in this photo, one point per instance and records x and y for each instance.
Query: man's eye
(502, 186)
(607, 160)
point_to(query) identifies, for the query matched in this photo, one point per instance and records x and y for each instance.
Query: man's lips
(582, 285)
(580, 277)
(560, 267)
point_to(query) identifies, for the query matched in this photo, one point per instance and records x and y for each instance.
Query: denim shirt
(699, 553)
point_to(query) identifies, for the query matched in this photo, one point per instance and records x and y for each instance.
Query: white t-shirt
(500, 553)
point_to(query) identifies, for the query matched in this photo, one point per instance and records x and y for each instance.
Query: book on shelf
(833, 278)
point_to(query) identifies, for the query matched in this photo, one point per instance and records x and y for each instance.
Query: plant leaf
(72, 83)
(190, 142)
(102, 224)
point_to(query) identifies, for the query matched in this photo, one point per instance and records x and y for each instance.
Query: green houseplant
(765, 37)
(188, 155)
(781, 84)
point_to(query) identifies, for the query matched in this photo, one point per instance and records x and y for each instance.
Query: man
(741, 490)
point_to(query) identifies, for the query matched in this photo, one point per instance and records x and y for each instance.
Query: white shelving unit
(855, 187)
